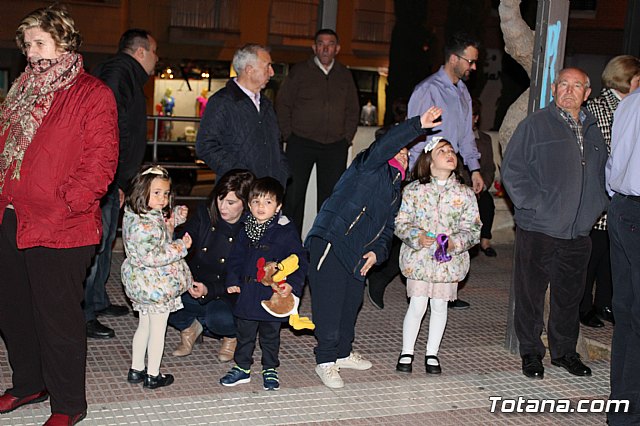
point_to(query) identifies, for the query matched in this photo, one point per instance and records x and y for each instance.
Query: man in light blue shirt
(446, 89)
(623, 182)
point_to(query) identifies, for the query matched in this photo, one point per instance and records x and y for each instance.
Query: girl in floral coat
(434, 206)
(154, 273)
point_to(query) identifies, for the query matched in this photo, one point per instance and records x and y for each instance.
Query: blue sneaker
(236, 376)
(270, 381)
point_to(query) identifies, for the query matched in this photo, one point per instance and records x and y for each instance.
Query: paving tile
(475, 365)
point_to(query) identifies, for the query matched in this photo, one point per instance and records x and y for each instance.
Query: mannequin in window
(168, 103)
(201, 102)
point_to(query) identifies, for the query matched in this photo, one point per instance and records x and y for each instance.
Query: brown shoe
(188, 337)
(227, 349)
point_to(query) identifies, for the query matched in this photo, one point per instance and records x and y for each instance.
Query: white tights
(149, 339)
(413, 319)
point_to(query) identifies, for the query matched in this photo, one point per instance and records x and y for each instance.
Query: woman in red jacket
(58, 153)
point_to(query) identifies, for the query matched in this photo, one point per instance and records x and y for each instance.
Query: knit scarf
(28, 103)
(256, 230)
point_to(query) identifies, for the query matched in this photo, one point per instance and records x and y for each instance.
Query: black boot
(375, 291)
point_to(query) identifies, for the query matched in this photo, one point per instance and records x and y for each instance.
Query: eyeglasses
(470, 61)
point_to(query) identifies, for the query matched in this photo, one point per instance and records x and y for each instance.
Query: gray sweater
(556, 189)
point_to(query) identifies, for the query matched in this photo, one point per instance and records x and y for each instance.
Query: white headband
(155, 170)
(432, 143)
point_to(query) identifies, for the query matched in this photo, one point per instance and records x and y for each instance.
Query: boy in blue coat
(267, 234)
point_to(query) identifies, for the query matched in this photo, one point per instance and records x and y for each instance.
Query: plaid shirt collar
(611, 97)
(576, 126)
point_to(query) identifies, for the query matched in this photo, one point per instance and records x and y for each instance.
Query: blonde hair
(619, 72)
(54, 20)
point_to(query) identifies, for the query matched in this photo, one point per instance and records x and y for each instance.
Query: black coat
(234, 135)
(280, 240)
(126, 78)
(359, 215)
(209, 254)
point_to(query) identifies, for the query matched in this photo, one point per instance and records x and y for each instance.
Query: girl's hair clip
(432, 143)
(154, 170)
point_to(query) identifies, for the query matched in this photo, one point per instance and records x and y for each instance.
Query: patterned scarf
(256, 230)
(28, 103)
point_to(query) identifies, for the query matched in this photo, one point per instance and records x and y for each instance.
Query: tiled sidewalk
(475, 367)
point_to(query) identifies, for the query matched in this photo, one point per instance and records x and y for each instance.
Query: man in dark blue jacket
(351, 233)
(126, 74)
(239, 129)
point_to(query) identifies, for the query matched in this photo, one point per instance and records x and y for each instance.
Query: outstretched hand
(427, 120)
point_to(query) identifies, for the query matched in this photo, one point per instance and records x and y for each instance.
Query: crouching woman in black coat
(213, 228)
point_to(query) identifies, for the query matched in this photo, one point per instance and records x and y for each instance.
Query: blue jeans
(624, 233)
(95, 291)
(216, 316)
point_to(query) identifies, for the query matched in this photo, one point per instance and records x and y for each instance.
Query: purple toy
(441, 254)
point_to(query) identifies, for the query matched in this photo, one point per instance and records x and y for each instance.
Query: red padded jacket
(66, 169)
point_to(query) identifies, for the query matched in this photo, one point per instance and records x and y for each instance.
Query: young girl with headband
(438, 223)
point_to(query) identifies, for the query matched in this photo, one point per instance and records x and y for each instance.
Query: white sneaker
(330, 375)
(354, 361)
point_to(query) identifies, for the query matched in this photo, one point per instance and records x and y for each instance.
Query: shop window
(218, 15)
(294, 18)
(374, 20)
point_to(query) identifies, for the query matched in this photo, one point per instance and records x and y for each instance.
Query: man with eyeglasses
(446, 88)
(553, 170)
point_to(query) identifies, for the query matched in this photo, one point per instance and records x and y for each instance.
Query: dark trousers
(336, 297)
(562, 264)
(95, 291)
(487, 212)
(598, 272)
(41, 318)
(302, 154)
(624, 231)
(216, 316)
(381, 275)
(269, 333)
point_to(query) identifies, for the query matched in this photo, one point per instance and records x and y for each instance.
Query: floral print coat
(451, 209)
(154, 273)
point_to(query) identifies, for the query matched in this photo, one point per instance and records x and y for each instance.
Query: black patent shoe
(590, 319)
(403, 367)
(153, 382)
(532, 366)
(113, 311)
(489, 251)
(135, 376)
(459, 305)
(96, 330)
(606, 314)
(571, 362)
(432, 369)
